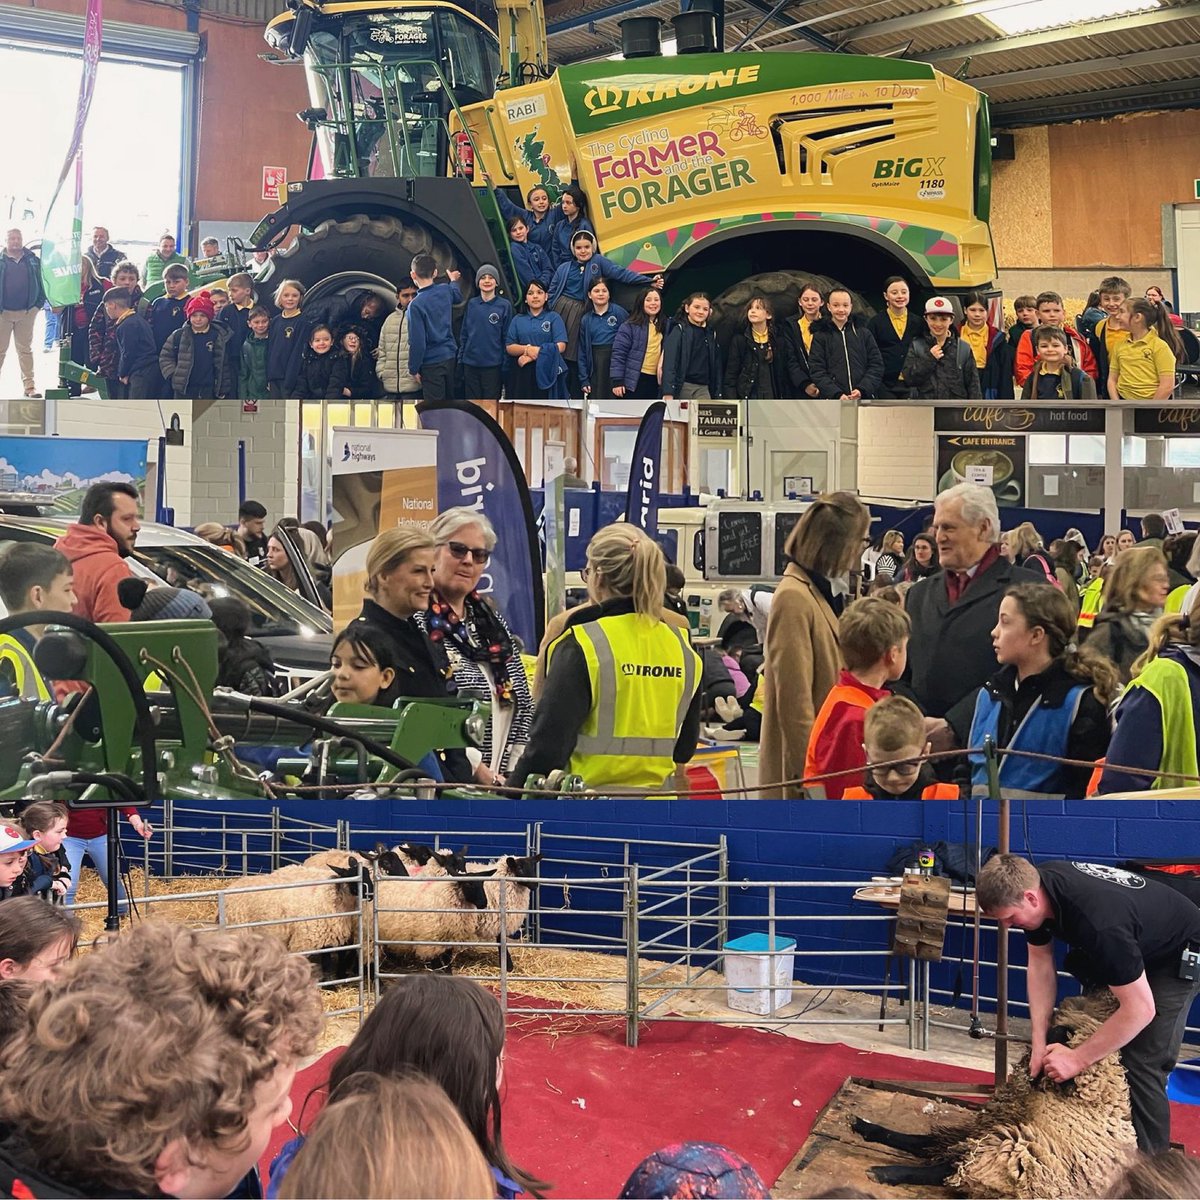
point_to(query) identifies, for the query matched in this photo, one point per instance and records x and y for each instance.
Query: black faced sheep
(304, 919)
(1034, 1138)
(428, 916)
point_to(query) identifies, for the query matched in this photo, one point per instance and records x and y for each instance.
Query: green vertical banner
(62, 238)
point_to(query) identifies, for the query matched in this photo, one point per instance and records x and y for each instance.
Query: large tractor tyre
(360, 252)
(782, 291)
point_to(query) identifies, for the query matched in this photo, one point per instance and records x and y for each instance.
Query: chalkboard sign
(739, 543)
(785, 522)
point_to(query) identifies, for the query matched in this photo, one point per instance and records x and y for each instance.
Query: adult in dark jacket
(846, 363)
(195, 360)
(102, 254)
(21, 297)
(940, 365)
(759, 365)
(317, 362)
(399, 584)
(954, 612)
(359, 309)
(893, 330)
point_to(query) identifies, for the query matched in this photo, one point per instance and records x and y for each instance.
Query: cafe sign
(988, 418)
(1166, 420)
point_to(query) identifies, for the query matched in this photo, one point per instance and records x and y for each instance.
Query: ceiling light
(1026, 18)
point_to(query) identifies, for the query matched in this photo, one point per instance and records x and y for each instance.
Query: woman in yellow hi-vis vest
(621, 702)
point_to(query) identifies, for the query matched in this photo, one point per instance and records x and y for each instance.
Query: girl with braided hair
(1049, 698)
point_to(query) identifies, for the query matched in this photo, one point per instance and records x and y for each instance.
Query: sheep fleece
(290, 905)
(1052, 1142)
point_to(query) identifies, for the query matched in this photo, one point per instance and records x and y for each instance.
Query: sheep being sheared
(428, 916)
(1034, 1138)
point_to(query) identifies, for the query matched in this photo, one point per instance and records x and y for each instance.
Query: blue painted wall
(801, 840)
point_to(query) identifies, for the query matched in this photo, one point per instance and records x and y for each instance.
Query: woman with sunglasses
(463, 622)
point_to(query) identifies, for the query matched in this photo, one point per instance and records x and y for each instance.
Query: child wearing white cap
(14, 854)
(940, 365)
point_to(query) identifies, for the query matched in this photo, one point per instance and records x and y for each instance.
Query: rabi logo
(358, 452)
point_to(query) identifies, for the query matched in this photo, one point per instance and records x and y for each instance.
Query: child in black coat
(354, 375)
(317, 363)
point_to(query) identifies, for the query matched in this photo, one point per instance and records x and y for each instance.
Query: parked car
(296, 630)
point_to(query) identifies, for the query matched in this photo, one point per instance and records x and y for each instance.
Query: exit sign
(1196, 188)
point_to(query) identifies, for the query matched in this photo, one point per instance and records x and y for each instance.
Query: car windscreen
(214, 572)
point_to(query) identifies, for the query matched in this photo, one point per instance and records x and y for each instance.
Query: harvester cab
(383, 79)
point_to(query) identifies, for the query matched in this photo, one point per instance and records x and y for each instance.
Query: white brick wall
(202, 474)
(272, 438)
(897, 453)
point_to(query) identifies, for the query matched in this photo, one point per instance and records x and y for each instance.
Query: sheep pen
(1034, 1138)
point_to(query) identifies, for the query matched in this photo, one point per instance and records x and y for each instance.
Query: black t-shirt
(1121, 923)
(256, 549)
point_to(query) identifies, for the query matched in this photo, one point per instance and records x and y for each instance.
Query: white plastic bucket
(751, 969)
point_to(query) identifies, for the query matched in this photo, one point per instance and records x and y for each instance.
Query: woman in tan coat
(802, 659)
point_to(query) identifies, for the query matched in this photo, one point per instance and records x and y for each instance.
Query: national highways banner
(478, 468)
(381, 478)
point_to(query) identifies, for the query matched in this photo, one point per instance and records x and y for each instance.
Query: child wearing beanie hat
(200, 303)
(482, 348)
(194, 359)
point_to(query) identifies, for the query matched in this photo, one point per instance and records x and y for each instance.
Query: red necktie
(956, 584)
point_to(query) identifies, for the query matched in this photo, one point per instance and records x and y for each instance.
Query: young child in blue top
(531, 335)
(432, 349)
(484, 351)
(138, 376)
(569, 289)
(166, 313)
(572, 219)
(286, 340)
(597, 331)
(530, 259)
(539, 218)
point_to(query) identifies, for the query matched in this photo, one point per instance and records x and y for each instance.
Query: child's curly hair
(163, 1033)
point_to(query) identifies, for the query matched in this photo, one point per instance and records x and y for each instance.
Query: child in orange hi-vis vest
(873, 639)
(894, 732)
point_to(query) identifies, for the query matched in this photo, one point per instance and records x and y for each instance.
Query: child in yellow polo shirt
(1143, 368)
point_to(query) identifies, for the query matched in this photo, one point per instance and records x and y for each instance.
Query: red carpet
(685, 1082)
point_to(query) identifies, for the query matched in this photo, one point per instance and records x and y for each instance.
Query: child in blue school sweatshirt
(166, 313)
(432, 350)
(530, 259)
(569, 290)
(483, 351)
(597, 331)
